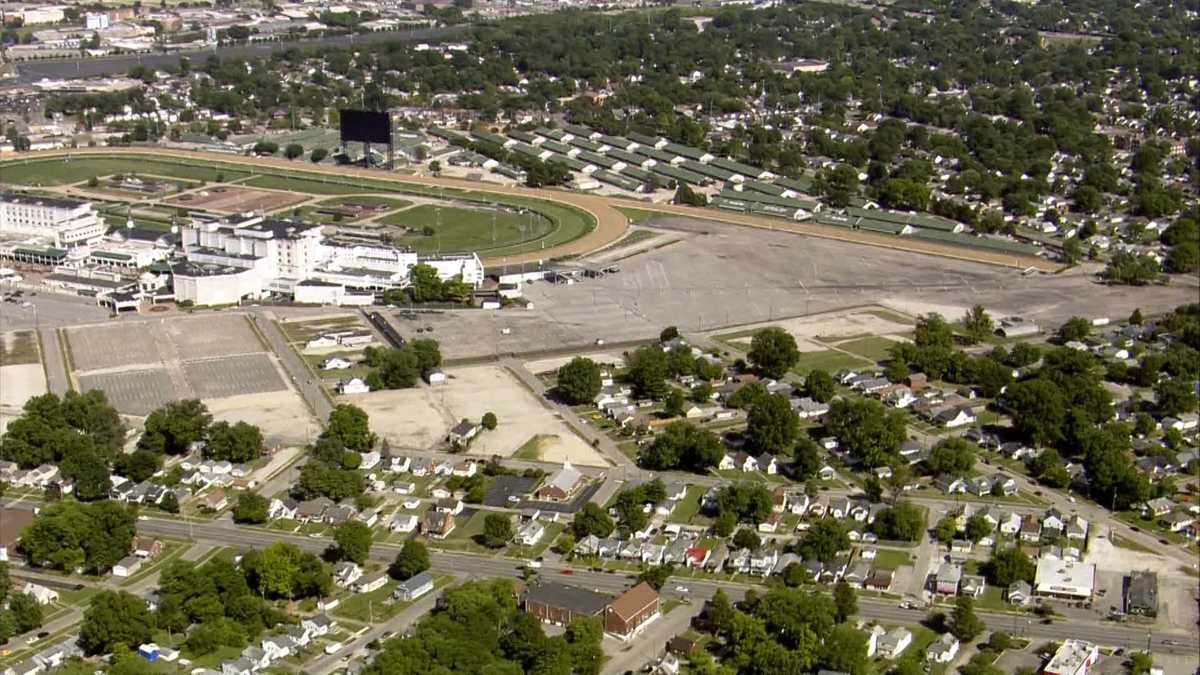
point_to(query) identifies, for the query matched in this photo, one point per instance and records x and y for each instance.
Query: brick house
(634, 608)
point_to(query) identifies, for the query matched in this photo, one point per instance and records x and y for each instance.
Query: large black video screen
(366, 126)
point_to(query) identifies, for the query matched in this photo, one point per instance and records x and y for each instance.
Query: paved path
(302, 379)
(57, 380)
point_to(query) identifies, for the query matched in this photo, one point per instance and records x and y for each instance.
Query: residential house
(319, 625)
(371, 582)
(894, 642)
(283, 508)
(944, 649)
(767, 463)
(414, 587)
(947, 579)
(1031, 529)
(880, 580)
(40, 593)
(278, 646)
(951, 484)
(972, 585)
(214, 501)
(530, 533)
(461, 434)
(146, 547)
(127, 566)
(403, 523)
(1019, 593)
(312, 510)
(1177, 521)
(1077, 528)
(346, 573)
(1008, 486)
(449, 505)
(437, 524)
(1010, 524)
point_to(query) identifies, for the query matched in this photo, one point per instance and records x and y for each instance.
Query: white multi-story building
(1074, 657)
(65, 222)
(251, 256)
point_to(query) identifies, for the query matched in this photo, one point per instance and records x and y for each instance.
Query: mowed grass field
(59, 172)
(460, 230)
(557, 224)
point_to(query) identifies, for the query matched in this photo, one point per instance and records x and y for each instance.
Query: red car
(567, 571)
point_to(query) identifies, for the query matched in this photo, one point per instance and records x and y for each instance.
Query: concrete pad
(21, 383)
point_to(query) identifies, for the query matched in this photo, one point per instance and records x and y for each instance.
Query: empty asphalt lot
(724, 275)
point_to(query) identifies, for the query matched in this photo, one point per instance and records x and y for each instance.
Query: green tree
(1038, 410)
(1131, 269)
(238, 442)
(977, 324)
(946, 529)
(1076, 328)
(251, 508)
(412, 559)
(591, 520)
(725, 523)
(773, 352)
(318, 155)
(845, 650)
(578, 381)
(26, 612)
(673, 403)
(977, 528)
(169, 503)
(353, 539)
(656, 576)
(1072, 250)
(870, 432)
(682, 445)
(293, 150)
(902, 522)
(824, 540)
(749, 502)
(173, 428)
(747, 538)
(932, 330)
(350, 426)
(771, 426)
(115, 619)
(488, 421)
(846, 600)
(685, 195)
(138, 465)
(648, 372)
(964, 624)
(819, 385)
(70, 535)
(1174, 397)
(1007, 565)
(953, 456)
(497, 530)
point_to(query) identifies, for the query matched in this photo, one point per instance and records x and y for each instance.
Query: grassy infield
(462, 229)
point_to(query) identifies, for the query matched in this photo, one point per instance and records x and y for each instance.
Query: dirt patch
(418, 418)
(21, 383)
(236, 200)
(407, 418)
(280, 414)
(553, 364)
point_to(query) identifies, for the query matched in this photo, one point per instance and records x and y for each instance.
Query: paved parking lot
(213, 335)
(114, 345)
(133, 392)
(242, 374)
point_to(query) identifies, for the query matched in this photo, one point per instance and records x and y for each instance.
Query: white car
(681, 589)
(411, 503)
(333, 648)
(536, 564)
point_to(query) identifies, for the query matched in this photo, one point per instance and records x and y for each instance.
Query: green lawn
(874, 348)
(689, 506)
(307, 186)
(60, 172)
(529, 450)
(888, 559)
(362, 607)
(467, 229)
(18, 348)
(462, 537)
(1126, 543)
(828, 360)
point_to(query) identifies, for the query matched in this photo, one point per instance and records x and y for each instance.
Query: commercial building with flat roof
(1062, 579)
(1074, 657)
